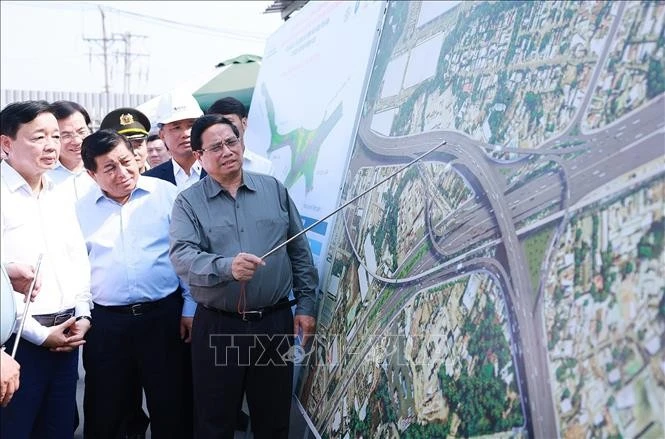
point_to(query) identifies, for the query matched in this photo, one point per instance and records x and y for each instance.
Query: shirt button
(242, 230)
(237, 206)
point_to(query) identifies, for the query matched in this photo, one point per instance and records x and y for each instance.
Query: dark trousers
(44, 405)
(231, 356)
(125, 353)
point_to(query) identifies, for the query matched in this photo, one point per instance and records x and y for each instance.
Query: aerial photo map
(512, 282)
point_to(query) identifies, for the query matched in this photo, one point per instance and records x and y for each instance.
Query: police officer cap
(129, 122)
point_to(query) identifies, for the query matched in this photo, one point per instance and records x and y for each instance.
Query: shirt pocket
(223, 240)
(270, 232)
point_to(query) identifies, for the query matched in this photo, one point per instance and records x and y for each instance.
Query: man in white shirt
(69, 174)
(234, 110)
(176, 113)
(36, 219)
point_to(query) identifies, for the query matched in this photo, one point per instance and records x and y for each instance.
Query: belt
(54, 319)
(135, 309)
(255, 315)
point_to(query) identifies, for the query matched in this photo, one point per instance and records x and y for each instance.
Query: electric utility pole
(128, 56)
(106, 43)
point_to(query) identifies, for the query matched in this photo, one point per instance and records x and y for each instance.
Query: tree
(655, 78)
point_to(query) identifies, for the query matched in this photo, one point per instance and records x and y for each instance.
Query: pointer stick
(352, 200)
(27, 305)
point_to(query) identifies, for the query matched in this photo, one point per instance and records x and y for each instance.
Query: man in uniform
(135, 126)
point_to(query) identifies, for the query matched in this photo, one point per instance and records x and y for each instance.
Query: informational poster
(512, 282)
(306, 101)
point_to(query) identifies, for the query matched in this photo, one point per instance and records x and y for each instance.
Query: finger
(252, 259)
(188, 336)
(62, 326)
(68, 346)
(74, 338)
(8, 394)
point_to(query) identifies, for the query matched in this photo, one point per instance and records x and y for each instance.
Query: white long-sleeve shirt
(75, 184)
(44, 223)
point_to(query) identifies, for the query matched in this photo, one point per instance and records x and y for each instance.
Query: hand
(21, 276)
(186, 328)
(304, 325)
(59, 337)
(244, 265)
(75, 336)
(9, 371)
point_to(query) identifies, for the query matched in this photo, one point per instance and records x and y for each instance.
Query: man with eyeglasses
(135, 126)
(235, 111)
(243, 326)
(69, 174)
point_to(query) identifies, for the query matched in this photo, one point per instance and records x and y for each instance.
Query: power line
(106, 44)
(227, 32)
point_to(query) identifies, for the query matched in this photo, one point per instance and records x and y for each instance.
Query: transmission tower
(107, 44)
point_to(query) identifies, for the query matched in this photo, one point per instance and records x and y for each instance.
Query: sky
(42, 45)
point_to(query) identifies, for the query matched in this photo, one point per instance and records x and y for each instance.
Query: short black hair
(64, 109)
(152, 137)
(228, 105)
(19, 113)
(98, 144)
(203, 123)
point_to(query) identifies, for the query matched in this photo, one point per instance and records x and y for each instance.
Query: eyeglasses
(68, 137)
(230, 143)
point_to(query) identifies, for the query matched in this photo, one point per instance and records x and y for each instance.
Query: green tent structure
(236, 78)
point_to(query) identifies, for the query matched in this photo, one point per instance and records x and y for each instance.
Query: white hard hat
(177, 105)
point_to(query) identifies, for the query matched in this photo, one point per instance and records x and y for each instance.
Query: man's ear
(5, 143)
(244, 122)
(92, 174)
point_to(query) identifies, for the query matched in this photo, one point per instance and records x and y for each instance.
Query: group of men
(155, 269)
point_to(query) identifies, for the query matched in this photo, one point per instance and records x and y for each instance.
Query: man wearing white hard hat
(176, 113)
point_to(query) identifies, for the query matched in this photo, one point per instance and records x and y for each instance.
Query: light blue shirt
(128, 245)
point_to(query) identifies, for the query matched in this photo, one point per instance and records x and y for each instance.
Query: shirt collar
(15, 180)
(61, 168)
(212, 188)
(196, 168)
(144, 185)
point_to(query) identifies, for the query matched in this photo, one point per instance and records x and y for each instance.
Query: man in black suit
(176, 113)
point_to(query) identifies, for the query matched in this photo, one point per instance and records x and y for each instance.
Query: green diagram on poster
(512, 283)
(304, 143)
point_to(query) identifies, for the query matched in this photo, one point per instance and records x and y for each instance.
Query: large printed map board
(305, 104)
(511, 283)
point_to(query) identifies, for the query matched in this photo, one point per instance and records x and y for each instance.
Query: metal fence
(97, 104)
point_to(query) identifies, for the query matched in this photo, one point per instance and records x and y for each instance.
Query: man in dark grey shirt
(243, 329)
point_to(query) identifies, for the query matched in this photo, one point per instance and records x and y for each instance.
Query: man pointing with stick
(243, 327)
